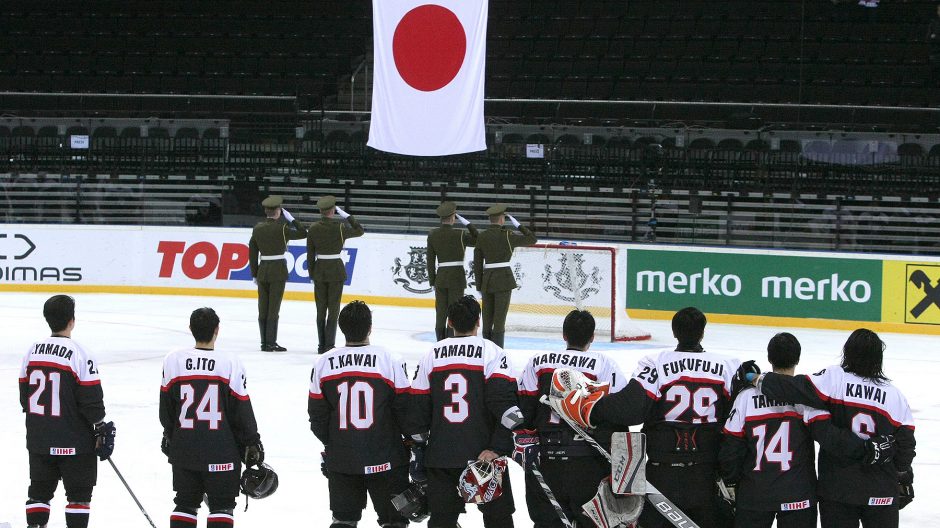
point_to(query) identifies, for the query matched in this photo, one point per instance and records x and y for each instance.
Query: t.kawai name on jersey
(351, 360)
(854, 390)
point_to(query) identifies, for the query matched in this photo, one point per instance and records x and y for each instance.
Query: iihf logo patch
(215, 468)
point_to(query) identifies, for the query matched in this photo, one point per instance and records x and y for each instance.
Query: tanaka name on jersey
(467, 351)
(53, 350)
(760, 401)
(571, 360)
(687, 364)
(866, 391)
(352, 360)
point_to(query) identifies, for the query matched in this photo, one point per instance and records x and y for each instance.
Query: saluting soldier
(328, 271)
(491, 267)
(446, 249)
(269, 266)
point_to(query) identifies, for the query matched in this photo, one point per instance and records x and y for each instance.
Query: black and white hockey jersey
(205, 410)
(358, 406)
(681, 398)
(462, 391)
(556, 439)
(865, 407)
(768, 450)
(60, 392)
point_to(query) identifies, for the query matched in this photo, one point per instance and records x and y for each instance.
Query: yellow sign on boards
(911, 293)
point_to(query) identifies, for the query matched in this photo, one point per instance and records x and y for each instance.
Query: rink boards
(766, 287)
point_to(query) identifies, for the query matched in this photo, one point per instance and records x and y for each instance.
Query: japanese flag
(427, 91)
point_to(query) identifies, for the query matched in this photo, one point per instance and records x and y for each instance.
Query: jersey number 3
(458, 410)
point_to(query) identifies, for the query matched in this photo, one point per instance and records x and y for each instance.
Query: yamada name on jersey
(462, 350)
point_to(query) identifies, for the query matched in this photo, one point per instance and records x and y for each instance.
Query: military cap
(272, 201)
(446, 209)
(496, 209)
(326, 202)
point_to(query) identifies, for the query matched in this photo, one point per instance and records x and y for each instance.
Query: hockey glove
(416, 467)
(526, 448)
(879, 449)
(578, 404)
(326, 472)
(254, 455)
(740, 382)
(906, 488)
(165, 445)
(104, 439)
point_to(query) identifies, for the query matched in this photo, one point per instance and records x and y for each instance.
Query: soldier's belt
(330, 257)
(497, 265)
(453, 264)
(272, 257)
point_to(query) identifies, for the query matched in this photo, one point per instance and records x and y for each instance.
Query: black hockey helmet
(413, 502)
(259, 482)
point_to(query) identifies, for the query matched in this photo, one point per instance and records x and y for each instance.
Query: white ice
(129, 335)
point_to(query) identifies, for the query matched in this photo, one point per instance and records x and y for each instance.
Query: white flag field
(427, 89)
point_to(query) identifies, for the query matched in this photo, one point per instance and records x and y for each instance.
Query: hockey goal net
(554, 279)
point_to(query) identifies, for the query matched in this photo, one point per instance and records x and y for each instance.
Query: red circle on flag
(429, 46)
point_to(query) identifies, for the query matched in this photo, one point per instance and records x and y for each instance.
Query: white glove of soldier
(342, 214)
(287, 216)
(515, 223)
(463, 220)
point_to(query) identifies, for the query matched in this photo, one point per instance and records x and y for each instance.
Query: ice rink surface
(129, 335)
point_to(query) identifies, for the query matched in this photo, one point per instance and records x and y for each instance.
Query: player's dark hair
(355, 320)
(688, 327)
(578, 328)
(202, 323)
(464, 314)
(58, 311)
(783, 351)
(863, 355)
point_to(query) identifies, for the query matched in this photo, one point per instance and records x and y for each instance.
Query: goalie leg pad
(607, 510)
(628, 463)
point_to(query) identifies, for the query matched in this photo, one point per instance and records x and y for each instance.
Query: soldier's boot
(263, 327)
(329, 341)
(497, 337)
(271, 333)
(321, 331)
(441, 333)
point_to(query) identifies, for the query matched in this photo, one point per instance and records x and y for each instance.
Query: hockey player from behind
(209, 427)
(768, 450)
(571, 467)
(465, 404)
(861, 398)
(681, 397)
(357, 406)
(60, 392)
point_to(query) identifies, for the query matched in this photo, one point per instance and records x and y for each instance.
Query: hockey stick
(663, 505)
(551, 497)
(129, 490)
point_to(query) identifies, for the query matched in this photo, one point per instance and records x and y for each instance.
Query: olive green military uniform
(269, 267)
(494, 276)
(327, 271)
(446, 248)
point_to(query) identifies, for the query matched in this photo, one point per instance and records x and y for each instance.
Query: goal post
(556, 278)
